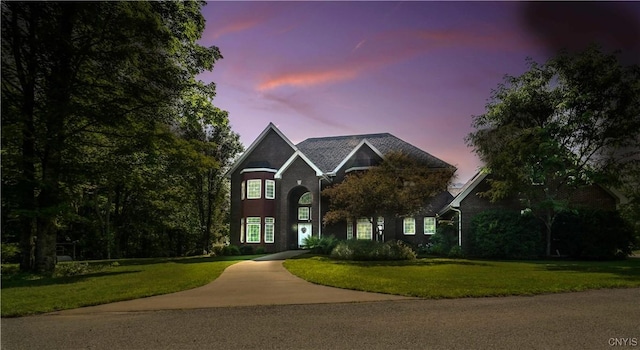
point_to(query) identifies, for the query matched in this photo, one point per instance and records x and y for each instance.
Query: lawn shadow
(626, 269)
(417, 262)
(21, 281)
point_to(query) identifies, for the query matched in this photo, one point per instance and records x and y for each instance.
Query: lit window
(349, 229)
(242, 230)
(269, 230)
(253, 230)
(305, 199)
(254, 189)
(409, 226)
(270, 189)
(303, 213)
(364, 229)
(429, 225)
(244, 190)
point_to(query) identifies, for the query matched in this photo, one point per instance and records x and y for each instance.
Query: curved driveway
(259, 305)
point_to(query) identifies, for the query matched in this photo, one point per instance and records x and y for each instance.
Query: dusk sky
(418, 70)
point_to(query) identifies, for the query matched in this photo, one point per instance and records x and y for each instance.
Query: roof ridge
(339, 137)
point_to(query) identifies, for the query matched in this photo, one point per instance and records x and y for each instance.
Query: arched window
(305, 199)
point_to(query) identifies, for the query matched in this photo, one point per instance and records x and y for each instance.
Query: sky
(419, 70)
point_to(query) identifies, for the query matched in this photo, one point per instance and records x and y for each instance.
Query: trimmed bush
(443, 241)
(246, 250)
(593, 234)
(10, 252)
(230, 250)
(499, 234)
(355, 249)
(322, 245)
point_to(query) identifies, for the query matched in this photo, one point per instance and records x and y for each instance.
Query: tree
(568, 123)
(401, 186)
(85, 80)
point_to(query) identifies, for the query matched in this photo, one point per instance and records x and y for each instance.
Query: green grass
(26, 294)
(456, 278)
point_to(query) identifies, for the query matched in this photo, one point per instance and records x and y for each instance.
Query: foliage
(231, 250)
(357, 249)
(455, 278)
(506, 235)
(399, 185)
(443, 241)
(26, 294)
(568, 123)
(9, 252)
(594, 234)
(323, 245)
(246, 250)
(109, 139)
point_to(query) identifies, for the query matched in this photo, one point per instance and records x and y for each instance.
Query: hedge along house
(468, 203)
(276, 190)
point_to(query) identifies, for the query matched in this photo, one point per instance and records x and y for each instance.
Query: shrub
(456, 252)
(73, 268)
(217, 249)
(593, 234)
(246, 250)
(443, 241)
(371, 250)
(502, 234)
(260, 250)
(230, 250)
(10, 252)
(322, 245)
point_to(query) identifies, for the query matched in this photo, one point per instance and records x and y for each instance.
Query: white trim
(254, 170)
(404, 226)
(266, 189)
(259, 181)
(290, 161)
(255, 144)
(424, 225)
(467, 189)
(355, 149)
(356, 168)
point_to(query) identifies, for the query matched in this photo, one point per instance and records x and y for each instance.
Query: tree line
(110, 142)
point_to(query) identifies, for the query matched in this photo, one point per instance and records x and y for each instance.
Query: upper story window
(254, 189)
(305, 199)
(269, 189)
(243, 190)
(429, 225)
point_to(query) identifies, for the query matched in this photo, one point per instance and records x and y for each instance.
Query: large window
(429, 225)
(269, 230)
(253, 230)
(364, 229)
(269, 189)
(254, 189)
(304, 213)
(409, 225)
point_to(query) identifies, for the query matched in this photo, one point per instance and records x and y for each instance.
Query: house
(276, 190)
(468, 203)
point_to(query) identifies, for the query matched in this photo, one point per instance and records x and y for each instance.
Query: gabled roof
(329, 153)
(290, 161)
(263, 134)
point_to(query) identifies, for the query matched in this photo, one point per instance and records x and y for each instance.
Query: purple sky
(418, 70)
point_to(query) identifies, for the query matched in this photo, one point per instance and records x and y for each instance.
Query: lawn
(456, 278)
(25, 294)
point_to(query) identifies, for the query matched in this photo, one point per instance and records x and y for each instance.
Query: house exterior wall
(272, 150)
(593, 196)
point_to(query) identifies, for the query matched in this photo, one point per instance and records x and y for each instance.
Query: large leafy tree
(91, 92)
(400, 185)
(570, 122)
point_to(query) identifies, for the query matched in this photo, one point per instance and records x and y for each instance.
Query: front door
(304, 231)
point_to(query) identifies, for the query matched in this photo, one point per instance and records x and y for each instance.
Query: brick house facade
(468, 204)
(276, 190)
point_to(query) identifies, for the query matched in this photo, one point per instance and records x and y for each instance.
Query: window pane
(305, 199)
(269, 230)
(364, 229)
(244, 189)
(241, 230)
(409, 226)
(254, 189)
(349, 229)
(270, 189)
(253, 230)
(429, 225)
(303, 213)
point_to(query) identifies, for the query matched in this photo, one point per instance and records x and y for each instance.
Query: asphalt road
(601, 319)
